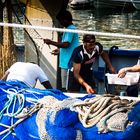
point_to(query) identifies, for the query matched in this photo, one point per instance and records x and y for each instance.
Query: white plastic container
(130, 78)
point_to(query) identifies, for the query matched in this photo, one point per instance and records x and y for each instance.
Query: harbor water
(110, 21)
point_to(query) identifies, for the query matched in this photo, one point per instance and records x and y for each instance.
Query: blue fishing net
(65, 126)
(92, 133)
(28, 129)
(60, 133)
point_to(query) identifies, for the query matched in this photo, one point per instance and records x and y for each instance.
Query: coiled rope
(9, 108)
(14, 97)
(69, 30)
(98, 110)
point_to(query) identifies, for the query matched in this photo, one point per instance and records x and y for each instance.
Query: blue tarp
(66, 124)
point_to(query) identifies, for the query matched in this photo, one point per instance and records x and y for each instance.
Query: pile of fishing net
(34, 114)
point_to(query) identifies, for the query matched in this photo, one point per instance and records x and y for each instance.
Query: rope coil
(20, 113)
(101, 109)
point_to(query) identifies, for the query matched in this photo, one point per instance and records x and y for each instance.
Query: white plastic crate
(130, 78)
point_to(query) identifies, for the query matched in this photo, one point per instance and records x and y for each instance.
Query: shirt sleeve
(99, 48)
(41, 75)
(78, 57)
(67, 37)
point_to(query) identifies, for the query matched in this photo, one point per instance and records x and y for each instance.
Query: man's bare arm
(77, 75)
(5, 76)
(122, 72)
(47, 85)
(106, 59)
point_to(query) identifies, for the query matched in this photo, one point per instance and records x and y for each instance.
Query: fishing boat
(125, 4)
(36, 113)
(81, 4)
(136, 4)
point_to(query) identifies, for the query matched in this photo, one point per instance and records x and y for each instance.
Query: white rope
(69, 30)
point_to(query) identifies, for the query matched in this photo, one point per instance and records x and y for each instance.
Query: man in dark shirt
(83, 57)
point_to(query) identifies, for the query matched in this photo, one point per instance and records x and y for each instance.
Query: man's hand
(55, 52)
(122, 73)
(47, 41)
(113, 70)
(90, 90)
